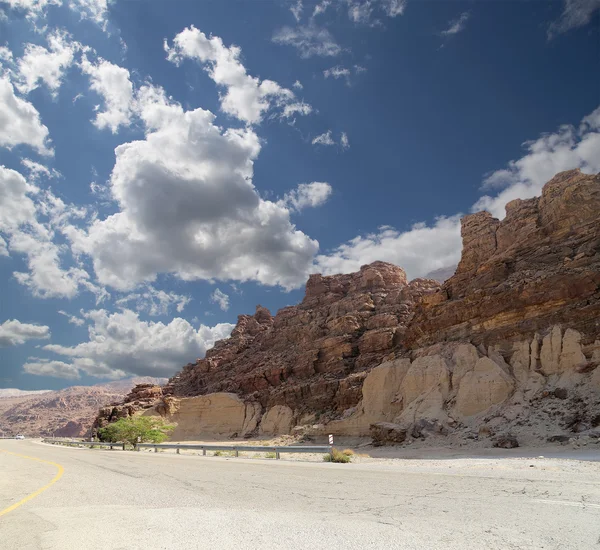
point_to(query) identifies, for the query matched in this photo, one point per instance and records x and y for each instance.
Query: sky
(168, 165)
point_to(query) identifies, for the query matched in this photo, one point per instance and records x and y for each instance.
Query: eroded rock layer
(510, 342)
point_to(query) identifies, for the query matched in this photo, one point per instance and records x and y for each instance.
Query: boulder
(387, 433)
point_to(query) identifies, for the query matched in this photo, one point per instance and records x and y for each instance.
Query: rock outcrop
(509, 344)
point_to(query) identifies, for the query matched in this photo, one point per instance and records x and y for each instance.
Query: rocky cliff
(510, 342)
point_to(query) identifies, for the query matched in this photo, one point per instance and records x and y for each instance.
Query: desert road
(66, 498)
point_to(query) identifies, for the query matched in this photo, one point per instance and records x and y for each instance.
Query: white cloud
(37, 170)
(565, 149)
(20, 121)
(336, 72)
(13, 333)
(296, 10)
(96, 10)
(154, 301)
(361, 11)
(576, 13)
(323, 139)
(188, 207)
(419, 250)
(344, 141)
(55, 369)
(73, 319)
(457, 25)
(246, 98)
(321, 7)
(327, 139)
(113, 84)
(306, 195)
(308, 40)
(120, 344)
(40, 64)
(19, 222)
(297, 85)
(220, 298)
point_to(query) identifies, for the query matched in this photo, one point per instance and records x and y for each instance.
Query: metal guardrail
(84, 443)
(190, 446)
(238, 448)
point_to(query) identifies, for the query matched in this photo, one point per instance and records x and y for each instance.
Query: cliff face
(312, 356)
(511, 341)
(536, 268)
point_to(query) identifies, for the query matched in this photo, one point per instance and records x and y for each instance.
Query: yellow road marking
(59, 474)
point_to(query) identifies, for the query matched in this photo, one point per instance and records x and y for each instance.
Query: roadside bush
(270, 455)
(149, 429)
(348, 452)
(338, 456)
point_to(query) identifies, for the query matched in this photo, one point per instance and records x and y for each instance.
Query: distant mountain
(13, 392)
(441, 275)
(64, 413)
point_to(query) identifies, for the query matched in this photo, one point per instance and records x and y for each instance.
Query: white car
(20, 436)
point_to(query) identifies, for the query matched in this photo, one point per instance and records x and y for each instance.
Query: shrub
(149, 429)
(270, 455)
(348, 452)
(337, 456)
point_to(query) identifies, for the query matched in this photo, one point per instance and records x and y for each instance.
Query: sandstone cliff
(510, 342)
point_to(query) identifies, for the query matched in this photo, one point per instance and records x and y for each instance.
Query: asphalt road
(128, 500)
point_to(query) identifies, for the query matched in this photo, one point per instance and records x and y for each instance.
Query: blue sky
(166, 166)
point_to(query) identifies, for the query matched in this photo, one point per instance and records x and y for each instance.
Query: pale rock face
(381, 390)
(278, 420)
(424, 374)
(571, 356)
(486, 385)
(521, 360)
(550, 352)
(212, 414)
(464, 358)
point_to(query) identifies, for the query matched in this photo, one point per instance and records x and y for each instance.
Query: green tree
(149, 429)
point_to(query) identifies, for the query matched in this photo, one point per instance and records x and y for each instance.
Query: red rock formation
(314, 355)
(538, 267)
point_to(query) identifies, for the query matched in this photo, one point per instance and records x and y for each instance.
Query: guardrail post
(155, 449)
(123, 446)
(136, 447)
(331, 453)
(237, 453)
(178, 451)
(277, 455)
(203, 451)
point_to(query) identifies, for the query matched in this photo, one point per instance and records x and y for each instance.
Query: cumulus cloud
(576, 13)
(46, 65)
(188, 207)
(419, 250)
(20, 121)
(336, 72)
(20, 224)
(55, 369)
(113, 84)
(297, 85)
(309, 40)
(95, 10)
(567, 148)
(307, 195)
(457, 25)
(154, 301)
(121, 344)
(13, 333)
(219, 298)
(246, 98)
